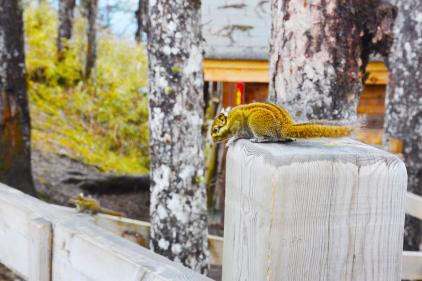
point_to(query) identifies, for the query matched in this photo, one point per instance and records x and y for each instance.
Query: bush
(102, 121)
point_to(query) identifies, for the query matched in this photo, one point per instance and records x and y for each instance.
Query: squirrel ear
(226, 110)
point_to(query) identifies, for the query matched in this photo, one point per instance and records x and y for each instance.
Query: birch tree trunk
(64, 33)
(15, 143)
(319, 48)
(178, 197)
(91, 33)
(403, 119)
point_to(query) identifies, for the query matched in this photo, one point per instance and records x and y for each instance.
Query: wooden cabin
(237, 35)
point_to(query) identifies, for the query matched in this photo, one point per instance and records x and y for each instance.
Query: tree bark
(91, 32)
(15, 143)
(319, 50)
(64, 33)
(178, 197)
(403, 118)
(142, 20)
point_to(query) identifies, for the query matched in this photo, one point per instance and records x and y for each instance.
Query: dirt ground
(52, 171)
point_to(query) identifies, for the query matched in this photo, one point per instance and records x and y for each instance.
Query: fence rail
(43, 242)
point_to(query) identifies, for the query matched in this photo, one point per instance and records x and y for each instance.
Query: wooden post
(313, 210)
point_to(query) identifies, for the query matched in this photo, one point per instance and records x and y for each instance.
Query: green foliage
(102, 121)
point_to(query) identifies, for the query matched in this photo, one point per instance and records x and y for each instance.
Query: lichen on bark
(178, 198)
(319, 51)
(403, 118)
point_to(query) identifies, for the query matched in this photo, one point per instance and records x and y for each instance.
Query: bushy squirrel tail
(111, 213)
(311, 130)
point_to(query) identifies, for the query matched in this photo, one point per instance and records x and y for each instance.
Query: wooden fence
(44, 242)
(41, 241)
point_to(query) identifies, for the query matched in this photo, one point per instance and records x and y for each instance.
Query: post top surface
(344, 149)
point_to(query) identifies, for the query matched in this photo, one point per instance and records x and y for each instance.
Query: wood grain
(83, 251)
(313, 210)
(40, 251)
(412, 265)
(414, 205)
(80, 249)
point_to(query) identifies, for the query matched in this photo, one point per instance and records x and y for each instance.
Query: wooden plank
(132, 230)
(139, 232)
(378, 73)
(83, 251)
(371, 109)
(236, 71)
(412, 266)
(373, 91)
(40, 250)
(414, 205)
(226, 70)
(80, 249)
(15, 234)
(313, 210)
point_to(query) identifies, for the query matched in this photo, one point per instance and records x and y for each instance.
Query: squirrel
(266, 122)
(91, 206)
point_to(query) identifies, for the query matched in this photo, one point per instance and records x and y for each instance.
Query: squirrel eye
(215, 130)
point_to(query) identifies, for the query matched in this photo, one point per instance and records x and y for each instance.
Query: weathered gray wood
(40, 237)
(414, 205)
(313, 210)
(80, 249)
(412, 265)
(14, 236)
(140, 232)
(83, 251)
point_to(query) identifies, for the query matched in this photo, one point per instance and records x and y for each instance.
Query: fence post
(313, 210)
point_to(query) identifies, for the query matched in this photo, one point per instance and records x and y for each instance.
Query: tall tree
(403, 119)
(64, 33)
(141, 15)
(319, 50)
(15, 160)
(178, 197)
(91, 9)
